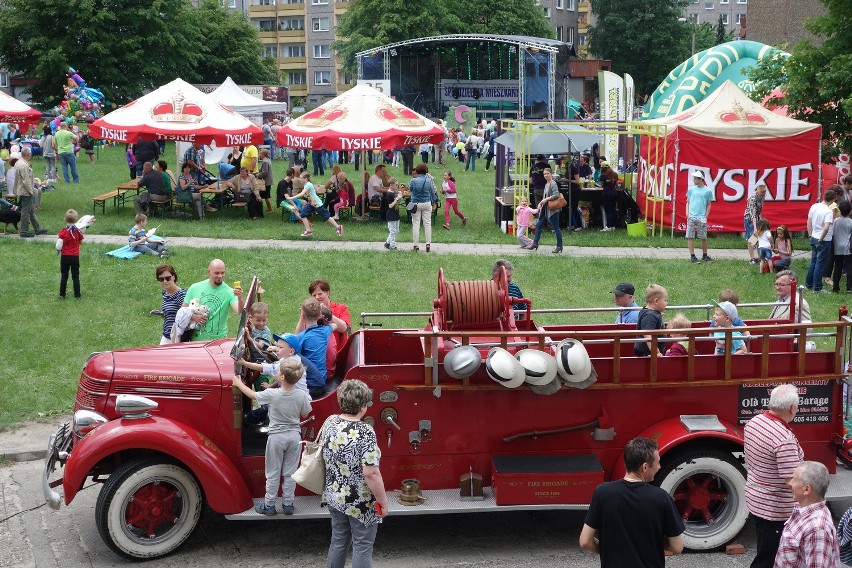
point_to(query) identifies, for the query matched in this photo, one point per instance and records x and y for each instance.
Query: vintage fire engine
(162, 427)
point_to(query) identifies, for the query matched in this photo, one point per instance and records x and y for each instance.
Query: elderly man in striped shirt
(809, 538)
(772, 453)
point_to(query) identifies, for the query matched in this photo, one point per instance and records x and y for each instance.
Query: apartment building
(299, 33)
(709, 11)
(780, 22)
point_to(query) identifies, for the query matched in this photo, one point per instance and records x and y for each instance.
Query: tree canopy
(126, 47)
(371, 23)
(641, 38)
(815, 80)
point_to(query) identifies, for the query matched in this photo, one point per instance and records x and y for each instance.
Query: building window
(297, 78)
(322, 51)
(694, 19)
(319, 2)
(229, 3)
(289, 24)
(724, 1)
(291, 1)
(560, 4)
(320, 24)
(572, 5)
(570, 38)
(262, 2)
(269, 51)
(292, 50)
(266, 25)
(584, 39)
(739, 19)
(4, 79)
(725, 19)
(742, 1)
(347, 78)
(322, 77)
(546, 11)
(559, 33)
(709, 5)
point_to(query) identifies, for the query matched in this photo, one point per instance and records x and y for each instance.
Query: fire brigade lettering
(237, 139)
(164, 378)
(361, 143)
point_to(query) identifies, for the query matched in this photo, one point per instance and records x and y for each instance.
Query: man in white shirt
(820, 219)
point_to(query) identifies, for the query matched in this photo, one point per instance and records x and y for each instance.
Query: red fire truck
(162, 427)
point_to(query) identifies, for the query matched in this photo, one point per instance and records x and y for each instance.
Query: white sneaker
(307, 234)
(340, 230)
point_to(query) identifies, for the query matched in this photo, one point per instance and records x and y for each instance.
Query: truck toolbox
(545, 479)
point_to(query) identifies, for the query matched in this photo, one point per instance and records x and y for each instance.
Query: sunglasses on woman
(164, 278)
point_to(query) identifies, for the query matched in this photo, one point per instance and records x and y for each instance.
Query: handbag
(557, 203)
(410, 206)
(311, 471)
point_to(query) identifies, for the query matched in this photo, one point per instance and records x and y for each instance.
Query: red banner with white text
(788, 166)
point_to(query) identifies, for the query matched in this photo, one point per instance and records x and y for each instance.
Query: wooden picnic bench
(117, 196)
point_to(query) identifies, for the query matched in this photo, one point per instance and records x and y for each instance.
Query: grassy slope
(47, 340)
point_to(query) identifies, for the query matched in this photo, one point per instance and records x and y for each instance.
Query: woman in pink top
(448, 188)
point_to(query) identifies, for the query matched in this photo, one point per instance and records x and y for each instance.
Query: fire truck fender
(223, 486)
(671, 435)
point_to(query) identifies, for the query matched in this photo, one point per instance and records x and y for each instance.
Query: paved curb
(494, 250)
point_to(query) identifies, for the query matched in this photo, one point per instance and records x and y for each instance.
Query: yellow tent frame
(656, 135)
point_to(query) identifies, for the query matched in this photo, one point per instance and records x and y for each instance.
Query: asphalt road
(33, 535)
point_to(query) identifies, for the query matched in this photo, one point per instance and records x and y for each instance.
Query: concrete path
(493, 250)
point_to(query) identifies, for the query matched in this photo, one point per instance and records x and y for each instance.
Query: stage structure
(502, 76)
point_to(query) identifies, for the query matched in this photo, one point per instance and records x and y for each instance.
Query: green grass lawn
(476, 201)
(47, 340)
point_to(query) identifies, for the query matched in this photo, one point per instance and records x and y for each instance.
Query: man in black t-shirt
(537, 179)
(630, 522)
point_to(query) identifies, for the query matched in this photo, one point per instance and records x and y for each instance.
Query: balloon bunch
(79, 103)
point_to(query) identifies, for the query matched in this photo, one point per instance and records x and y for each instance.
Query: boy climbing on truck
(314, 337)
(287, 405)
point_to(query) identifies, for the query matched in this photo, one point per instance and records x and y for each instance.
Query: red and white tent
(177, 111)
(13, 110)
(737, 144)
(362, 118)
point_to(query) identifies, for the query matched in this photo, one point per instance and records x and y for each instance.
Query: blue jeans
(471, 160)
(346, 530)
(67, 159)
(552, 218)
(819, 256)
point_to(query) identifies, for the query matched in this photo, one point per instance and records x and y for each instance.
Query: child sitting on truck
(724, 315)
(651, 317)
(286, 346)
(287, 405)
(680, 348)
(314, 337)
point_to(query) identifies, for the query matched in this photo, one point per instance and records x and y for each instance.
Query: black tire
(147, 508)
(704, 484)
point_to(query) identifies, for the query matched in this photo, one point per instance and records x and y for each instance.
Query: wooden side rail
(791, 359)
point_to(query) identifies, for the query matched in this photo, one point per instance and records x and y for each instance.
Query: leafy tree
(642, 38)
(231, 47)
(371, 23)
(124, 47)
(815, 79)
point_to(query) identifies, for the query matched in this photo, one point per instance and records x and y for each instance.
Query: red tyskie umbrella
(13, 110)
(362, 118)
(177, 111)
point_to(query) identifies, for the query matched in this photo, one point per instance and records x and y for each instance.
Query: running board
(438, 502)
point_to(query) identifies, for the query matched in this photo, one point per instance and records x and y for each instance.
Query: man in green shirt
(217, 296)
(64, 144)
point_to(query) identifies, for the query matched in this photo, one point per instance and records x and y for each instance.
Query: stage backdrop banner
(788, 166)
(496, 90)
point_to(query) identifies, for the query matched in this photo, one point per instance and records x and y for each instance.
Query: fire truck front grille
(90, 392)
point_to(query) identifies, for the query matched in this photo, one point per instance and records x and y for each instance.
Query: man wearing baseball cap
(698, 200)
(623, 294)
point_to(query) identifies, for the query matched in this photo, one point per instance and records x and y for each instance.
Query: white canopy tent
(231, 95)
